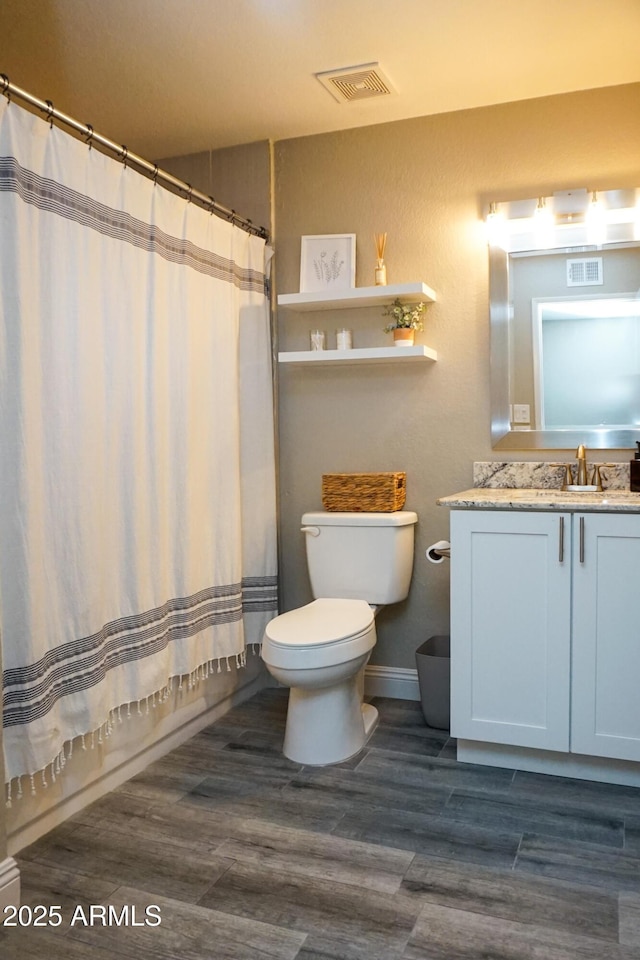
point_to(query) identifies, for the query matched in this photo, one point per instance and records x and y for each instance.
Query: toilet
(357, 563)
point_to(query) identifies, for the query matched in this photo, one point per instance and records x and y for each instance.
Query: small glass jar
(317, 339)
(344, 339)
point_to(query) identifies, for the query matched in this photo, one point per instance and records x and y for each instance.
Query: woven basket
(364, 492)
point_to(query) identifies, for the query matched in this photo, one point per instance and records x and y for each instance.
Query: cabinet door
(510, 627)
(606, 636)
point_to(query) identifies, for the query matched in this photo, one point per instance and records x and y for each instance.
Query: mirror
(586, 363)
(565, 342)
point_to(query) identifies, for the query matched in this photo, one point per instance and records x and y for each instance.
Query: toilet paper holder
(439, 551)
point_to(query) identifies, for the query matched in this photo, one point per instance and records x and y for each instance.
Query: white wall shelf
(356, 297)
(359, 355)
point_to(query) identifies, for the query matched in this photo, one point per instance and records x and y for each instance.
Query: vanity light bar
(568, 217)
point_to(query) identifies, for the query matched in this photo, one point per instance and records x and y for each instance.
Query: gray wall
(239, 178)
(425, 182)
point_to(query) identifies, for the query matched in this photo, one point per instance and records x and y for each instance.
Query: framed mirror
(565, 328)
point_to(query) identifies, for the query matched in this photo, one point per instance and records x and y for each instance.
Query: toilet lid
(321, 622)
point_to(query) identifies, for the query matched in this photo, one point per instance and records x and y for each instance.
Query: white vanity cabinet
(545, 636)
(510, 627)
(605, 659)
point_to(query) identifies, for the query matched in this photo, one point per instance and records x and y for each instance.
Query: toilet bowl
(357, 562)
(319, 651)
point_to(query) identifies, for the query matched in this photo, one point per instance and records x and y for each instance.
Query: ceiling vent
(350, 84)
(585, 272)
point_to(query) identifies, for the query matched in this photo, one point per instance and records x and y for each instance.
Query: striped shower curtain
(137, 491)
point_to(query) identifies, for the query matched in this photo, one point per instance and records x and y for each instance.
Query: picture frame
(327, 262)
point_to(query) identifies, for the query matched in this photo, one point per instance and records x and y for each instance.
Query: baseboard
(397, 683)
(9, 885)
(115, 776)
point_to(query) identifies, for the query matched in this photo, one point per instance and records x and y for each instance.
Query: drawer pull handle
(581, 539)
(561, 541)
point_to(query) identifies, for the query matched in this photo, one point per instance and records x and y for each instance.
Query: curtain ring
(155, 174)
(212, 204)
(49, 113)
(89, 139)
(5, 86)
(189, 192)
(124, 155)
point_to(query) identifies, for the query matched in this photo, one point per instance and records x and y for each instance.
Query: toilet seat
(321, 632)
(320, 622)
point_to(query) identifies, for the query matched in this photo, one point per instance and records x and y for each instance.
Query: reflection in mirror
(565, 336)
(586, 363)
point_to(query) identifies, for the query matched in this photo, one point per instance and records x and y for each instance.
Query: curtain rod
(122, 153)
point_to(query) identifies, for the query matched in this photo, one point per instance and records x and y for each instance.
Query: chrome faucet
(581, 454)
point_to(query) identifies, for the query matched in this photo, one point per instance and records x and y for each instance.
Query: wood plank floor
(398, 854)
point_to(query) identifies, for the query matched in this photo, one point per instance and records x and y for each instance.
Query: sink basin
(582, 488)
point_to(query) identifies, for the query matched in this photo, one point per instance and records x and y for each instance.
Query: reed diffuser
(381, 270)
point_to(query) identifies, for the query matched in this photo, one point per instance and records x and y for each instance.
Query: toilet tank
(364, 556)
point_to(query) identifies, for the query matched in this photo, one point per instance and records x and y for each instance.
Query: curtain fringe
(55, 767)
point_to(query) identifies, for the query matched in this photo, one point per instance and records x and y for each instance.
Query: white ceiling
(169, 77)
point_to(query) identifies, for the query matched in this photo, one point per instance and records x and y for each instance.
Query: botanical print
(327, 262)
(327, 269)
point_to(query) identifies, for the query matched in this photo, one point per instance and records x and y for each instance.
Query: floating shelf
(359, 355)
(356, 297)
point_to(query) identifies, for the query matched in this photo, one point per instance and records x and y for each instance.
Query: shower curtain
(137, 490)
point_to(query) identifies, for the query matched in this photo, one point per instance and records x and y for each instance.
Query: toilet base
(327, 725)
(370, 719)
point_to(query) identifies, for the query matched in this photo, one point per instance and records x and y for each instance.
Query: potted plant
(406, 319)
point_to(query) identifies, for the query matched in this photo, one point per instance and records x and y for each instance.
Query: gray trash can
(433, 660)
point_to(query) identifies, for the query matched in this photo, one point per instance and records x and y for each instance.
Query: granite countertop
(607, 501)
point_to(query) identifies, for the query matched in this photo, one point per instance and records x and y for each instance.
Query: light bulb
(544, 225)
(596, 221)
(496, 228)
